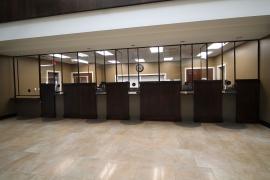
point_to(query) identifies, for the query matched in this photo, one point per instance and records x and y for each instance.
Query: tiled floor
(77, 149)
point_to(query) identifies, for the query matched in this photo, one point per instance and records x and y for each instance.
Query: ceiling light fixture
(203, 54)
(113, 61)
(59, 56)
(82, 55)
(168, 58)
(139, 60)
(80, 61)
(155, 49)
(217, 45)
(104, 53)
(46, 65)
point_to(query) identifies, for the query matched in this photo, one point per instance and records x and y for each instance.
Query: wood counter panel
(160, 101)
(12, 10)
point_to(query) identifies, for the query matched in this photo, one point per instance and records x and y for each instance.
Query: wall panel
(12, 10)
(265, 80)
(117, 100)
(208, 101)
(47, 95)
(80, 100)
(160, 100)
(247, 100)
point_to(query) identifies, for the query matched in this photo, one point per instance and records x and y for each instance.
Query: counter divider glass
(182, 64)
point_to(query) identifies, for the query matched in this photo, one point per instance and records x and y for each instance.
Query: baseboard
(266, 124)
(7, 116)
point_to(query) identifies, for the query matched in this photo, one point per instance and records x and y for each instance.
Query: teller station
(207, 82)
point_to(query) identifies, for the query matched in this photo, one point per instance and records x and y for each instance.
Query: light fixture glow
(82, 55)
(203, 54)
(46, 65)
(155, 49)
(168, 58)
(217, 45)
(113, 61)
(59, 56)
(104, 53)
(80, 61)
(139, 60)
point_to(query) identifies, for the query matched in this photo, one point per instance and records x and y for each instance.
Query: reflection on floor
(79, 149)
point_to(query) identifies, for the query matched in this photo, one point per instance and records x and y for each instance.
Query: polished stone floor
(78, 149)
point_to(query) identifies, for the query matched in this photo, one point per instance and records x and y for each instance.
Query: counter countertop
(105, 93)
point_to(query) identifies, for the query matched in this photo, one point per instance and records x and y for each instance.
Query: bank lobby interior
(150, 83)
(102, 113)
(168, 101)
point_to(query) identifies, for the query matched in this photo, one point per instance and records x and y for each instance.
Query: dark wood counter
(28, 106)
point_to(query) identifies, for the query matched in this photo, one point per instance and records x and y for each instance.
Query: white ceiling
(195, 32)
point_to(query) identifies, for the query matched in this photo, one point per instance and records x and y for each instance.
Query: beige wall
(28, 71)
(265, 80)
(67, 69)
(228, 62)
(246, 62)
(28, 76)
(6, 86)
(171, 69)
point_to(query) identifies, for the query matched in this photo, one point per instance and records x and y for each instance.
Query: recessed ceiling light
(104, 53)
(155, 49)
(168, 58)
(216, 45)
(46, 65)
(113, 61)
(203, 54)
(82, 55)
(182, 41)
(59, 56)
(139, 60)
(80, 61)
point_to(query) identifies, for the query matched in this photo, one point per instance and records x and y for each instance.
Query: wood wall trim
(14, 10)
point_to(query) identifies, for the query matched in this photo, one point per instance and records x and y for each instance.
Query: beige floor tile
(81, 149)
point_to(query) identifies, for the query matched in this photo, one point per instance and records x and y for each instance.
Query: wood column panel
(80, 100)
(247, 100)
(160, 100)
(71, 101)
(87, 100)
(47, 95)
(208, 101)
(117, 100)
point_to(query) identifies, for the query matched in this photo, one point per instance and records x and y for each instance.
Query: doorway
(85, 77)
(54, 78)
(199, 74)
